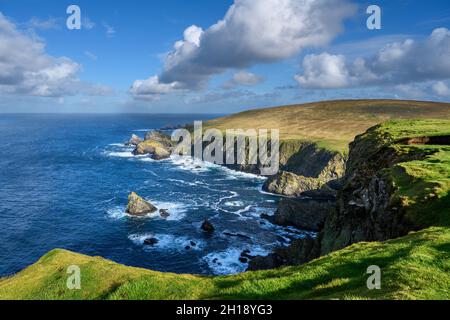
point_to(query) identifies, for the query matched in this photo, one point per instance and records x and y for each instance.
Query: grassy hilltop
(331, 124)
(416, 266)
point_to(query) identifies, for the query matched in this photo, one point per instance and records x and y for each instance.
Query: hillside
(410, 163)
(331, 124)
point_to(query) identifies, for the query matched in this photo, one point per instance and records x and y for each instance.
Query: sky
(221, 56)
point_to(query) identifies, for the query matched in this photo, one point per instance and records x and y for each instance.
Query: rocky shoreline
(308, 181)
(344, 200)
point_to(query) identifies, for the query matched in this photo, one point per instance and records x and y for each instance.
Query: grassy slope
(332, 124)
(414, 267)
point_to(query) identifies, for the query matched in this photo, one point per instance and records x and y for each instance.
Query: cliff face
(376, 203)
(397, 181)
(305, 167)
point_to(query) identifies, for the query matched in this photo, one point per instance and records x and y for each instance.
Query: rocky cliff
(397, 181)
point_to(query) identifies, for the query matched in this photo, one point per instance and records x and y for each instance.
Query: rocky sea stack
(156, 144)
(137, 206)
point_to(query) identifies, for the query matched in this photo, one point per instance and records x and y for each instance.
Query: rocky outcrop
(299, 252)
(137, 206)
(304, 167)
(134, 141)
(207, 226)
(160, 137)
(366, 208)
(305, 214)
(157, 144)
(370, 205)
(291, 185)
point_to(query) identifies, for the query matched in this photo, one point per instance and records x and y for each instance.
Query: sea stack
(138, 206)
(207, 226)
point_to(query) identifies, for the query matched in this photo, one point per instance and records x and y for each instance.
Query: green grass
(414, 267)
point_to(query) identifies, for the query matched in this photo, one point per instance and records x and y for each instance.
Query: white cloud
(48, 24)
(324, 71)
(151, 88)
(87, 23)
(441, 89)
(110, 31)
(90, 55)
(398, 63)
(26, 69)
(243, 78)
(253, 32)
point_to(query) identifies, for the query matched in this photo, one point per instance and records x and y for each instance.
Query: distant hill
(332, 124)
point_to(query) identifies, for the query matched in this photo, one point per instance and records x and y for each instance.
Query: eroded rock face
(158, 145)
(160, 137)
(304, 214)
(137, 206)
(367, 209)
(291, 185)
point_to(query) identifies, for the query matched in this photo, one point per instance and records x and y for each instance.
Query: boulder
(134, 141)
(151, 241)
(304, 214)
(207, 226)
(291, 185)
(138, 206)
(164, 213)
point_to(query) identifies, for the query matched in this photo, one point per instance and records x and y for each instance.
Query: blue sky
(264, 54)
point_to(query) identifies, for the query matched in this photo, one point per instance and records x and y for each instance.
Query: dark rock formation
(151, 241)
(207, 226)
(304, 214)
(299, 252)
(367, 209)
(164, 213)
(138, 206)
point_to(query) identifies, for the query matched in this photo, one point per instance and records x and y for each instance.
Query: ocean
(64, 183)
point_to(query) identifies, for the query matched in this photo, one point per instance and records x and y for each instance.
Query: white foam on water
(143, 130)
(120, 145)
(191, 164)
(227, 262)
(234, 204)
(233, 174)
(116, 213)
(166, 242)
(176, 210)
(120, 154)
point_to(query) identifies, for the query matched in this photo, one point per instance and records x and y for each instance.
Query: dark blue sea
(64, 182)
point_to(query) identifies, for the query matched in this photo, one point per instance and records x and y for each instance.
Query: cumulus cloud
(398, 63)
(243, 78)
(26, 69)
(441, 89)
(252, 32)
